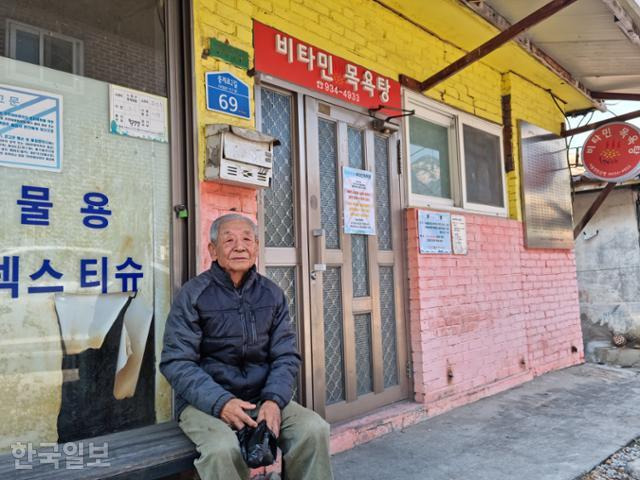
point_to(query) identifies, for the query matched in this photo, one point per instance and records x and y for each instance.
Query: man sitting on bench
(230, 355)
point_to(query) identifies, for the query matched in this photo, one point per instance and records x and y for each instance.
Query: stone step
(623, 357)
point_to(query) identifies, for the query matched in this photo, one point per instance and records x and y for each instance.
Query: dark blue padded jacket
(222, 343)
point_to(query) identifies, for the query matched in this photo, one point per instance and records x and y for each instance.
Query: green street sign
(229, 54)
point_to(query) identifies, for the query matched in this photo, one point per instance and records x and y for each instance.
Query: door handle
(319, 241)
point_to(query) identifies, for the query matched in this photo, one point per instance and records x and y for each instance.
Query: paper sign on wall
(459, 234)
(137, 114)
(30, 129)
(434, 232)
(359, 211)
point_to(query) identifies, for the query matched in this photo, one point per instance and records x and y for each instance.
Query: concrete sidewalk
(558, 426)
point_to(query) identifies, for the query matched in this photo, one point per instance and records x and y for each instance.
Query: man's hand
(233, 414)
(270, 411)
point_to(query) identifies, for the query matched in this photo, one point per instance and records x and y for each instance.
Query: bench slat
(145, 453)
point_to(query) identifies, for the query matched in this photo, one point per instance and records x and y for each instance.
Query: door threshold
(397, 416)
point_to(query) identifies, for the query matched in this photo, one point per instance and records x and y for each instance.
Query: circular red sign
(612, 152)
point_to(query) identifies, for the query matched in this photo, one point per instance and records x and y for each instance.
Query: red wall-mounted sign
(288, 58)
(612, 152)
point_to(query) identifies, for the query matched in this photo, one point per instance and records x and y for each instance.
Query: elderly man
(230, 355)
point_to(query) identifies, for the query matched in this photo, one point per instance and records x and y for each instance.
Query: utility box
(239, 156)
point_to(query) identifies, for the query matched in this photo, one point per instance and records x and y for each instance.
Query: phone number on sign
(331, 88)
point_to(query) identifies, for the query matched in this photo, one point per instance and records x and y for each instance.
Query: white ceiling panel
(586, 40)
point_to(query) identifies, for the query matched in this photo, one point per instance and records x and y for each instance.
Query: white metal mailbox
(239, 156)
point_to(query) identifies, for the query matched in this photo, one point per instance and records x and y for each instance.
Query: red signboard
(288, 58)
(612, 152)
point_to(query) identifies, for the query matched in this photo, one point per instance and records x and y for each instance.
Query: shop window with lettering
(454, 159)
(84, 236)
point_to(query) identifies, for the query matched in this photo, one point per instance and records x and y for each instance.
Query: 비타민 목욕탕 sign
(286, 57)
(30, 129)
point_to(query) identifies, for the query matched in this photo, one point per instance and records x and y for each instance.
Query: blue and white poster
(359, 211)
(434, 232)
(30, 129)
(226, 93)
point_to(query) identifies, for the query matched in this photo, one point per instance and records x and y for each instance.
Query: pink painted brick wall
(491, 319)
(218, 199)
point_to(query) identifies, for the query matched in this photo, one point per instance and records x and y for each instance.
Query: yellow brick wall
(365, 32)
(360, 30)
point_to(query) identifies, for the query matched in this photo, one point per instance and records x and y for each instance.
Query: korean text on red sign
(612, 152)
(288, 58)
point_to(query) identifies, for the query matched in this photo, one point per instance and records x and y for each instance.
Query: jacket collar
(221, 277)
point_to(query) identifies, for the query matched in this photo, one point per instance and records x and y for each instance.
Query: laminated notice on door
(359, 210)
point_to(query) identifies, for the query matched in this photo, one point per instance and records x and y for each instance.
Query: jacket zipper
(254, 333)
(245, 333)
(252, 318)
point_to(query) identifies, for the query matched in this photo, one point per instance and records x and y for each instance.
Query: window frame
(434, 112)
(13, 26)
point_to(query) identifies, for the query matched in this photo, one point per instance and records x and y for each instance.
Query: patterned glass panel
(333, 339)
(383, 203)
(285, 278)
(278, 200)
(388, 319)
(328, 187)
(360, 265)
(356, 157)
(364, 366)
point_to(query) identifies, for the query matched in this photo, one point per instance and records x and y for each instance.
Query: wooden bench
(148, 453)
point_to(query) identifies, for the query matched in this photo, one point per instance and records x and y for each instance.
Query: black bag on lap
(258, 445)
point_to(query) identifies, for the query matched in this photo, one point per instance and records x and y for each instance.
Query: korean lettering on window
(94, 272)
(36, 206)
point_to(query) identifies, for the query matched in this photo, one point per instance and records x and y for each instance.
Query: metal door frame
(183, 140)
(279, 256)
(354, 404)
(313, 374)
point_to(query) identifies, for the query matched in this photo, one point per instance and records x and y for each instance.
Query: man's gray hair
(229, 217)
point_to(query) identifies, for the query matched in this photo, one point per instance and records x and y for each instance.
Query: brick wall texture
(491, 319)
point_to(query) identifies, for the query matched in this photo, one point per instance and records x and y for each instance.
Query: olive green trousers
(304, 441)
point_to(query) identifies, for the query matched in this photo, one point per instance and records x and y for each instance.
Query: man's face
(236, 248)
